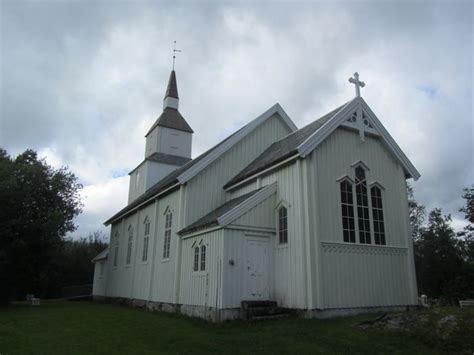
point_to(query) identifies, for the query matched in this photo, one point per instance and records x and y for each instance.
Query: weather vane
(174, 53)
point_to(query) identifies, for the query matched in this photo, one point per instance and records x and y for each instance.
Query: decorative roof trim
(146, 202)
(247, 204)
(217, 153)
(326, 129)
(102, 255)
(322, 133)
(392, 145)
(262, 172)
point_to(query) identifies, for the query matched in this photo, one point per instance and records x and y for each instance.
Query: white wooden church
(313, 219)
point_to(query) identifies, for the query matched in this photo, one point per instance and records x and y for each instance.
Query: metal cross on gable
(358, 84)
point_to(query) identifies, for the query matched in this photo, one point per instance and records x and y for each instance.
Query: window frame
(146, 239)
(167, 234)
(352, 237)
(363, 205)
(116, 249)
(128, 259)
(380, 212)
(282, 240)
(371, 220)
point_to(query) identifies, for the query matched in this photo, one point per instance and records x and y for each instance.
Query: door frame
(262, 238)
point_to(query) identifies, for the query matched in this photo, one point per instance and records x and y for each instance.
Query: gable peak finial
(174, 53)
(358, 84)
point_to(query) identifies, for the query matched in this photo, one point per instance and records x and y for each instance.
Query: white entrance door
(257, 270)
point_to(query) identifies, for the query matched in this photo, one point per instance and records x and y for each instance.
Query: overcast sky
(82, 82)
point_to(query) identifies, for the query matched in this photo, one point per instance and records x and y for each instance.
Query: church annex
(314, 219)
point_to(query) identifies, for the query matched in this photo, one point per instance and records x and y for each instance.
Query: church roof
(211, 219)
(282, 149)
(101, 256)
(193, 167)
(172, 89)
(171, 118)
(231, 210)
(168, 159)
(168, 181)
(303, 141)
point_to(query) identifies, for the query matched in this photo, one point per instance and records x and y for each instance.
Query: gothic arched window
(347, 205)
(377, 212)
(116, 248)
(203, 257)
(283, 225)
(196, 259)
(363, 217)
(167, 238)
(146, 239)
(130, 244)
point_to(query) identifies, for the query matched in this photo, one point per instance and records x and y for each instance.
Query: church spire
(171, 99)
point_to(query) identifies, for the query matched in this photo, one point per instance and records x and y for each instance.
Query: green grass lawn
(60, 327)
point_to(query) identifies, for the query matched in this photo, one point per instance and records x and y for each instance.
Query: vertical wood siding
(261, 216)
(353, 278)
(202, 288)
(288, 259)
(204, 192)
(163, 283)
(234, 276)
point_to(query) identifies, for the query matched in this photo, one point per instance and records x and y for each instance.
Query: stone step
(271, 317)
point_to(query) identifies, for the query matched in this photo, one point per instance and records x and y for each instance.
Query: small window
(101, 268)
(196, 259)
(377, 212)
(167, 238)
(146, 239)
(283, 225)
(137, 180)
(116, 249)
(203, 257)
(130, 245)
(363, 217)
(347, 204)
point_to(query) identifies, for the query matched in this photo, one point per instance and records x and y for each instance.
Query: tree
(76, 266)
(438, 258)
(37, 208)
(468, 238)
(417, 214)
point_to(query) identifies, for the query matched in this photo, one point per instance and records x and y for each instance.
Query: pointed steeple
(171, 117)
(172, 90)
(171, 99)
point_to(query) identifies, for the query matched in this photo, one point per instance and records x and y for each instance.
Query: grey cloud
(86, 79)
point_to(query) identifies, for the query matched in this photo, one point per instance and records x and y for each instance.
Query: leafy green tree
(76, 266)
(37, 208)
(438, 258)
(417, 213)
(468, 239)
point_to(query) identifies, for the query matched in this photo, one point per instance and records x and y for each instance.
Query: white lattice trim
(346, 248)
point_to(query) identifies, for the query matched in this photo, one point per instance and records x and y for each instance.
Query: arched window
(116, 248)
(167, 238)
(347, 205)
(130, 244)
(203, 257)
(146, 238)
(196, 259)
(283, 225)
(377, 212)
(363, 217)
